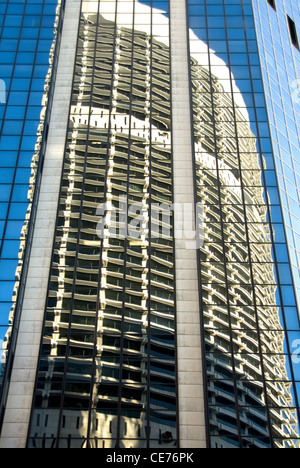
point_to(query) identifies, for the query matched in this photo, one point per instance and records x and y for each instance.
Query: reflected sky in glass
(280, 64)
(26, 36)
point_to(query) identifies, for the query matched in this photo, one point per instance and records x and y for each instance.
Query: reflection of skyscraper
(113, 331)
(117, 364)
(244, 335)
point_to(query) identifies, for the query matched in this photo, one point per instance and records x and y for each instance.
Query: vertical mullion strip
(120, 389)
(189, 347)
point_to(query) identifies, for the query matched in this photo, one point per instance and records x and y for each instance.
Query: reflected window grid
(220, 185)
(110, 307)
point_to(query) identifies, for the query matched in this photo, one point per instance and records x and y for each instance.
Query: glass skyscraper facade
(27, 33)
(108, 369)
(280, 69)
(249, 308)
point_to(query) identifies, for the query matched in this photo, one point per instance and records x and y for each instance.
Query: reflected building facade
(247, 379)
(250, 319)
(107, 375)
(109, 372)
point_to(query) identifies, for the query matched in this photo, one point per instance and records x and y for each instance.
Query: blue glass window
(26, 36)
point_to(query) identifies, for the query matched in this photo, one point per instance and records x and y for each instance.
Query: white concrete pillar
(192, 432)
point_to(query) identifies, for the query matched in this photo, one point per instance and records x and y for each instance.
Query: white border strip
(190, 380)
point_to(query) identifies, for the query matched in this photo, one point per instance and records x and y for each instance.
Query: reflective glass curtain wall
(26, 38)
(250, 319)
(281, 73)
(107, 367)
(107, 370)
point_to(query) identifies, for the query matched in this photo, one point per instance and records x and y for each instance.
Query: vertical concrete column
(190, 385)
(18, 409)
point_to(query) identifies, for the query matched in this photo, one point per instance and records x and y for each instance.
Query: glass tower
(130, 290)
(27, 45)
(248, 301)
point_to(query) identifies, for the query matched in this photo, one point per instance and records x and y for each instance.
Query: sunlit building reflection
(246, 362)
(111, 299)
